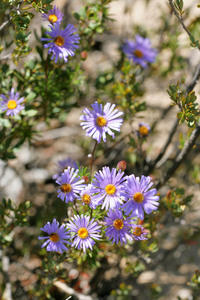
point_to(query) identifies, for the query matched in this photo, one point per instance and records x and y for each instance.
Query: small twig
(167, 143)
(68, 290)
(181, 156)
(194, 81)
(180, 19)
(4, 25)
(7, 294)
(6, 56)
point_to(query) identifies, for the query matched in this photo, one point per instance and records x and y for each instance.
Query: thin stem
(92, 160)
(140, 154)
(194, 81)
(46, 88)
(168, 141)
(75, 206)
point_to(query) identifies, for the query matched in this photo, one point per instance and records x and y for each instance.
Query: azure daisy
(87, 196)
(139, 232)
(54, 15)
(99, 121)
(64, 164)
(143, 130)
(118, 228)
(56, 238)
(12, 105)
(70, 185)
(84, 232)
(108, 185)
(139, 197)
(62, 42)
(140, 51)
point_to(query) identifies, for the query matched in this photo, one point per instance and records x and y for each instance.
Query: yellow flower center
(138, 197)
(86, 199)
(101, 121)
(137, 231)
(138, 53)
(59, 41)
(118, 224)
(53, 18)
(83, 233)
(143, 130)
(12, 104)
(54, 237)
(110, 189)
(66, 188)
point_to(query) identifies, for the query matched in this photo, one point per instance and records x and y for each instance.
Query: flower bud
(121, 165)
(86, 179)
(84, 55)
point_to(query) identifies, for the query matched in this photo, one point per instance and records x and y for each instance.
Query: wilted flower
(70, 185)
(99, 121)
(54, 15)
(139, 196)
(118, 227)
(140, 51)
(108, 185)
(143, 130)
(56, 238)
(11, 104)
(62, 42)
(139, 232)
(84, 232)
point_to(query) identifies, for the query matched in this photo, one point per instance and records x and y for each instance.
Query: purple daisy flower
(143, 130)
(99, 121)
(84, 232)
(88, 198)
(70, 185)
(140, 51)
(62, 42)
(139, 232)
(108, 184)
(56, 238)
(139, 197)
(64, 164)
(53, 16)
(11, 104)
(118, 228)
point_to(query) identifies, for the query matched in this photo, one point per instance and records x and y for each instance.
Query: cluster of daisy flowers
(62, 42)
(121, 200)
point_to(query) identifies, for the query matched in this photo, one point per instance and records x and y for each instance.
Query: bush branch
(189, 89)
(179, 17)
(181, 156)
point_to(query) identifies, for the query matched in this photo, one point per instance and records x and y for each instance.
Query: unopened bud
(168, 195)
(84, 55)
(121, 165)
(86, 179)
